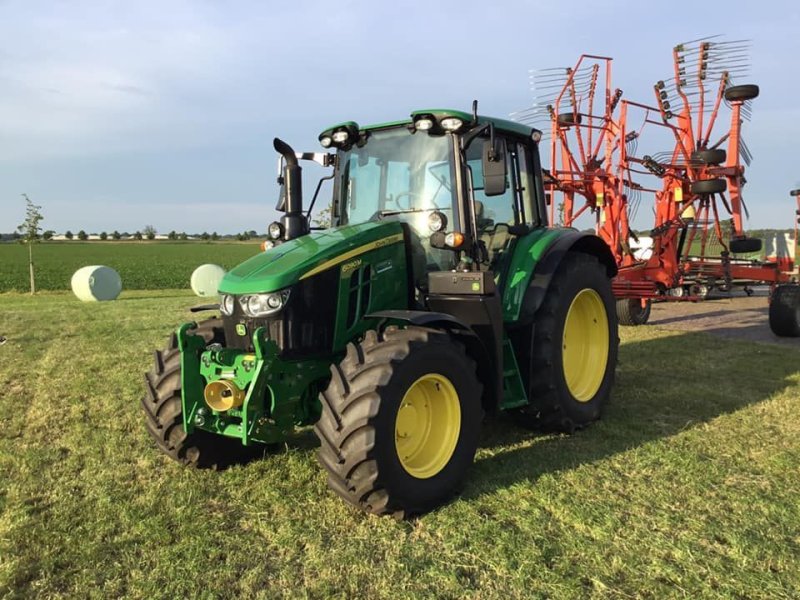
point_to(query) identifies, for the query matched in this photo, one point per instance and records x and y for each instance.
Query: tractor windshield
(397, 174)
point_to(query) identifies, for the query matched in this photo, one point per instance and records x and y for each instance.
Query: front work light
(423, 124)
(326, 141)
(437, 221)
(452, 124)
(340, 137)
(275, 230)
(536, 135)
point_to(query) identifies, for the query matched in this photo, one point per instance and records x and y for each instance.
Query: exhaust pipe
(294, 221)
(222, 395)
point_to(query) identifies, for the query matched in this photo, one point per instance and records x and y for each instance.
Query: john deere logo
(241, 329)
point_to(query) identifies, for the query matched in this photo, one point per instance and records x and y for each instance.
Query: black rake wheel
(784, 310)
(741, 92)
(163, 411)
(384, 451)
(708, 186)
(631, 312)
(709, 157)
(571, 379)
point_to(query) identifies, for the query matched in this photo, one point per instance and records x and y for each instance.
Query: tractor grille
(304, 327)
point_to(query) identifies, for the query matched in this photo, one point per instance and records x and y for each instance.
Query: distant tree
(68, 235)
(243, 236)
(252, 233)
(103, 235)
(205, 236)
(137, 235)
(116, 235)
(323, 218)
(183, 236)
(30, 232)
(173, 235)
(149, 232)
(215, 236)
(48, 235)
(82, 235)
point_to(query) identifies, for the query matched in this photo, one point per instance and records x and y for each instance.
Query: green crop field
(141, 265)
(687, 488)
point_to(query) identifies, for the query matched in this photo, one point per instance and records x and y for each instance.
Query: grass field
(688, 488)
(141, 265)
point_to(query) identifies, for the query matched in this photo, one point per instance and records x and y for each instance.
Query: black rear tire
(553, 405)
(784, 311)
(164, 417)
(745, 245)
(631, 312)
(358, 429)
(709, 157)
(709, 186)
(741, 92)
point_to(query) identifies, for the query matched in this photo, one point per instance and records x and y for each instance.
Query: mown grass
(141, 265)
(687, 487)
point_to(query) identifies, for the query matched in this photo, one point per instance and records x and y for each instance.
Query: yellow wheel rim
(584, 347)
(427, 426)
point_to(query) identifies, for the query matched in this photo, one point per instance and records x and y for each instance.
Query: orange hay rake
(595, 169)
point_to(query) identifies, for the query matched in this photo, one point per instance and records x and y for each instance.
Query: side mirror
(494, 167)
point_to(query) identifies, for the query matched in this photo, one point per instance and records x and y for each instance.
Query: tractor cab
(430, 173)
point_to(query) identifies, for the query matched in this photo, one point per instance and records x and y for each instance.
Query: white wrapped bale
(206, 278)
(96, 283)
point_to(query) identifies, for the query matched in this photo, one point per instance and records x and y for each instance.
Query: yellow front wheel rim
(427, 426)
(584, 348)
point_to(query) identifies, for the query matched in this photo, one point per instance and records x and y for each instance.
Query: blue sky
(114, 115)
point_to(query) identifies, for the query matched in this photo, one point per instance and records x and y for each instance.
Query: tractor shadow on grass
(664, 386)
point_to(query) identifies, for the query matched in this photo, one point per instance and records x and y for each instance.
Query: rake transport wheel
(630, 311)
(784, 311)
(163, 411)
(400, 421)
(708, 186)
(575, 344)
(709, 157)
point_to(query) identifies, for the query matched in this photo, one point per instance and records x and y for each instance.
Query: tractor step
(513, 389)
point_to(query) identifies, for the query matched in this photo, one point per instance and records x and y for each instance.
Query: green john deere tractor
(438, 294)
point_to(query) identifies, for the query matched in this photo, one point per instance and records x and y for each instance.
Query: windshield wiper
(400, 211)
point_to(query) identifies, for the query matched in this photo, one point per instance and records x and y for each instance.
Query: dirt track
(734, 317)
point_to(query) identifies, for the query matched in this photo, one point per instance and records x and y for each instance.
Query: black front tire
(357, 429)
(164, 411)
(553, 406)
(784, 311)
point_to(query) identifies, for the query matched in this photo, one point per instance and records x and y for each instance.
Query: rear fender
(535, 261)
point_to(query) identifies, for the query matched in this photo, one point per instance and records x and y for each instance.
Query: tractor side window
(527, 186)
(490, 210)
(494, 214)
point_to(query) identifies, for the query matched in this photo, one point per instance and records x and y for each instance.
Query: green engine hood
(287, 263)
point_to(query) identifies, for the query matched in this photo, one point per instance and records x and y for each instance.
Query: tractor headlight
(340, 137)
(261, 305)
(275, 230)
(326, 141)
(226, 304)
